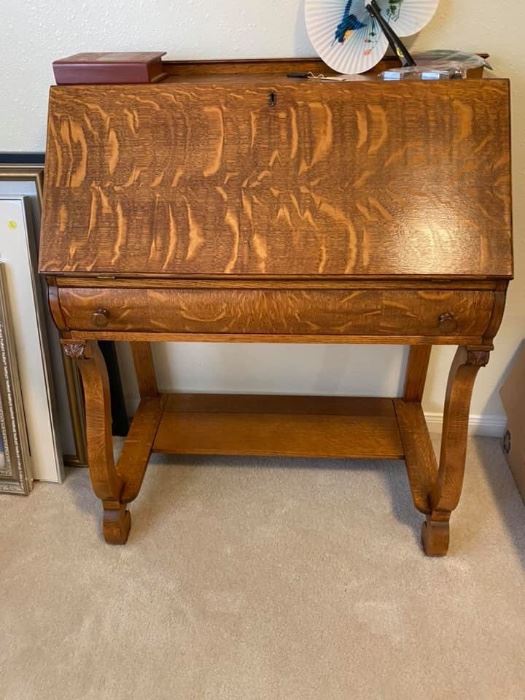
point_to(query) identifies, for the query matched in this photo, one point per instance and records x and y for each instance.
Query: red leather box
(112, 67)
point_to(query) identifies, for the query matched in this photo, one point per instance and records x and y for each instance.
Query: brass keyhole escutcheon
(101, 318)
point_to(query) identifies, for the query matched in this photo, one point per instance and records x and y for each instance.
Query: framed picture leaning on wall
(18, 257)
(15, 465)
(23, 174)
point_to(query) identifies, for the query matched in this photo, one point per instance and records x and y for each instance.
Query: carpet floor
(264, 579)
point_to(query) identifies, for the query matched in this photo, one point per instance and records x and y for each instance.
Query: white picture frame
(17, 252)
(23, 174)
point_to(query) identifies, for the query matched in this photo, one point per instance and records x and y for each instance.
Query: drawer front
(376, 312)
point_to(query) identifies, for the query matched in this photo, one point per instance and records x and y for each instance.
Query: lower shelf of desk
(288, 426)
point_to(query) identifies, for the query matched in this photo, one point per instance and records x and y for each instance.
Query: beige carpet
(263, 579)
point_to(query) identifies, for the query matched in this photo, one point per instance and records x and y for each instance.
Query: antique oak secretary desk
(231, 203)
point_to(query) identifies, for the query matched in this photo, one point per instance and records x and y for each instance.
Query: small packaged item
(432, 71)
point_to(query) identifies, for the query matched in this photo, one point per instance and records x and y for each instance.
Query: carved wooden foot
(116, 523)
(435, 535)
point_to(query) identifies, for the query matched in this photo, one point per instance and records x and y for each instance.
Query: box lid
(111, 57)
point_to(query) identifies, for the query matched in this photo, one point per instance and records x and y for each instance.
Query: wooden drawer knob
(447, 323)
(101, 318)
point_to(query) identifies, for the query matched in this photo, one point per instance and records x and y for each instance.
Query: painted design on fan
(393, 10)
(371, 36)
(350, 23)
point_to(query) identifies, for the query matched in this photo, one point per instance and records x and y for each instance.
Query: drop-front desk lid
(260, 174)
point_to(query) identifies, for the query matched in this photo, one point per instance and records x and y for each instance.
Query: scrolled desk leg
(446, 492)
(105, 479)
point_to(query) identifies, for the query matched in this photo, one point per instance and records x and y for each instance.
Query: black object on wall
(22, 158)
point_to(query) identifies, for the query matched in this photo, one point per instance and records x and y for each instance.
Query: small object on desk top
(431, 71)
(468, 61)
(438, 65)
(299, 76)
(110, 67)
(331, 77)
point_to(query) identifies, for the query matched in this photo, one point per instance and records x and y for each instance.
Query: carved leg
(420, 459)
(106, 482)
(416, 372)
(446, 491)
(144, 369)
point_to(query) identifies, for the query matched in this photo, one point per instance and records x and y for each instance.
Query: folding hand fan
(349, 39)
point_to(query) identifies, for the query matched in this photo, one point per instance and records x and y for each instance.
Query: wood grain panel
(299, 338)
(144, 369)
(258, 282)
(253, 66)
(196, 177)
(291, 426)
(137, 447)
(416, 372)
(420, 459)
(353, 312)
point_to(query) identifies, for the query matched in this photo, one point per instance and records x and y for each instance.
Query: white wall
(37, 31)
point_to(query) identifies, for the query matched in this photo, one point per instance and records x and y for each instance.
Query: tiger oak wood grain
(416, 372)
(231, 204)
(284, 282)
(419, 454)
(253, 66)
(446, 489)
(293, 426)
(365, 178)
(144, 369)
(313, 312)
(371, 338)
(137, 447)
(106, 481)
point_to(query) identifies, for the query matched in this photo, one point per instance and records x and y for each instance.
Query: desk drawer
(379, 312)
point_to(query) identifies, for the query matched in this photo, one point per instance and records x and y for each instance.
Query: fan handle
(395, 42)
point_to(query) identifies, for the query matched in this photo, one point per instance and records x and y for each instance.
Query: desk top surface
(257, 174)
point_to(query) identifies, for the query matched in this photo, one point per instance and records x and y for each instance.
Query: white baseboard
(489, 426)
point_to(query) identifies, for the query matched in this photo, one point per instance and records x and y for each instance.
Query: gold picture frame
(15, 463)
